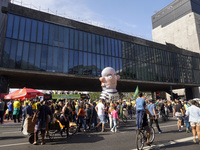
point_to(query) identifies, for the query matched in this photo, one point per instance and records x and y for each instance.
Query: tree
(94, 95)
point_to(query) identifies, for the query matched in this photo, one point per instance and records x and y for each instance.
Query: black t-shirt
(178, 108)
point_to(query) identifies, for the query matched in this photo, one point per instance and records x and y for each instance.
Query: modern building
(45, 51)
(179, 24)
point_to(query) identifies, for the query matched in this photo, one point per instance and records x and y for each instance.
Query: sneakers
(194, 140)
(112, 130)
(160, 131)
(115, 130)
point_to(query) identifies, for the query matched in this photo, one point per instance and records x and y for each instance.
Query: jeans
(115, 123)
(139, 118)
(156, 121)
(82, 122)
(188, 126)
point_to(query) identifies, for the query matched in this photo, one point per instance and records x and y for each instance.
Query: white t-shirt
(100, 108)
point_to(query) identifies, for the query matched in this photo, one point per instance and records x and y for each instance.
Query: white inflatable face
(111, 79)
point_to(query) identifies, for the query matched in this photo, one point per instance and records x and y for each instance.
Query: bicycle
(141, 137)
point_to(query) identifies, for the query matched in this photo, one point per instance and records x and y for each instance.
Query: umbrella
(23, 93)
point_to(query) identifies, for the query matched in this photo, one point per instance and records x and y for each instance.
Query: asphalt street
(12, 138)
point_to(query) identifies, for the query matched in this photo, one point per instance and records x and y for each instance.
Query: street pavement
(12, 139)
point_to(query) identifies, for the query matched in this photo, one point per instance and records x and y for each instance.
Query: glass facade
(35, 45)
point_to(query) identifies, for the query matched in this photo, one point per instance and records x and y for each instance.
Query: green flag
(136, 92)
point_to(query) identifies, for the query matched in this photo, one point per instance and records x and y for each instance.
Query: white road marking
(168, 143)
(10, 132)
(14, 144)
(168, 126)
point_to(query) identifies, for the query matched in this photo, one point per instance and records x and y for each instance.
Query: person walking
(42, 112)
(100, 108)
(152, 109)
(178, 113)
(16, 112)
(115, 117)
(194, 118)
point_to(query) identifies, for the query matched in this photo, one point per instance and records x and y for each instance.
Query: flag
(136, 92)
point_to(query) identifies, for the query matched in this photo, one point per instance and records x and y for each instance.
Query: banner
(63, 96)
(136, 92)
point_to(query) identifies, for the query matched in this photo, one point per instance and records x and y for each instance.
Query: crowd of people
(89, 115)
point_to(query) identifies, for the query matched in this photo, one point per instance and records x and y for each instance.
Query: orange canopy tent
(23, 93)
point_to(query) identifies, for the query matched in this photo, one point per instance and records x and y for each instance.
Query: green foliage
(94, 95)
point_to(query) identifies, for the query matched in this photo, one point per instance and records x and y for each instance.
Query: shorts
(102, 119)
(194, 124)
(147, 128)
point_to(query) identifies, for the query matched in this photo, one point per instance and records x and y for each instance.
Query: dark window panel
(16, 27)
(6, 53)
(85, 42)
(39, 32)
(97, 44)
(89, 42)
(22, 28)
(51, 34)
(80, 40)
(19, 54)
(33, 31)
(44, 57)
(61, 34)
(106, 61)
(101, 45)
(93, 43)
(75, 39)
(105, 46)
(116, 48)
(109, 61)
(113, 62)
(102, 62)
(85, 64)
(13, 50)
(80, 71)
(9, 26)
(66, 39)
(99, 65)
(55, 59)
(113, 47)
(25, 55)
(71, 61)
(56, 33)
(94, 68)
(76, 62)
(28, 30)
(65, 62)
(31, 56)
(60, 60)
(46, 33)
(117, 69)
(71, 31)
(38, 56)
(89, 64)
(109, 47)
(120, 48)
(50, 59)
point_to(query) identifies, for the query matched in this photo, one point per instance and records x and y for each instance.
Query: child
(115, 116)
(188, 130)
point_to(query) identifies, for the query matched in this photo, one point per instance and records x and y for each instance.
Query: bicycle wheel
(139, 139)
(73, 130)
(124, 119)
(152, 135)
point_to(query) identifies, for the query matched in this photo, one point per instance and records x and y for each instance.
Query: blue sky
(129, 16)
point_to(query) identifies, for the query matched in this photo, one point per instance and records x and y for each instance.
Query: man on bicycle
(140, 110)
(141, 116)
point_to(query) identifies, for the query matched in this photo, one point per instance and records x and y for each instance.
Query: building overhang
(58, 81)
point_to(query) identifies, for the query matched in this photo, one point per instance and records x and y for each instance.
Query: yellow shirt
(16, 104)
(34, 106)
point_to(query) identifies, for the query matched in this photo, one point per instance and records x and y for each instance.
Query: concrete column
(3, 84)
